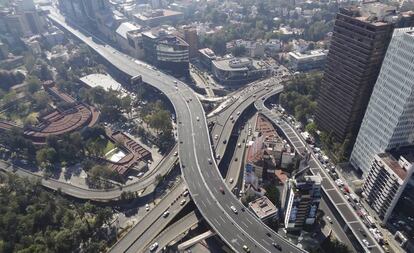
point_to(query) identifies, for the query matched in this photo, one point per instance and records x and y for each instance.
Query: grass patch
(109, 146)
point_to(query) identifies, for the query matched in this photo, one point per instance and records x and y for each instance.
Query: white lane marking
(242, 222)
(266, 242)
(222, 219)
(249, 220)
(239, 237)
(218, 223)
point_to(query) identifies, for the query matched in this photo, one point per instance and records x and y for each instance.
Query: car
(215, 137)
(147, 207)
(225, 141)
(175, 153)
(140, 174)
(131, 178)
(362, 232)
(182, 202)
(218, 157)
(246, 249)
(165, 214)
(239, 145)
(365, 241)
(231, 117)
(238, 113)
(231, 180)
(329, 219)
(153, 247)
(209, 161)
(233, 209)
(236, 159)
(198, 118)
(221, 189)
(277, 246)
(175, 81)
(268, 234)
(186, 192)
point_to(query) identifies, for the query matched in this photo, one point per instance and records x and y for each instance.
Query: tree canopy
(34, 220)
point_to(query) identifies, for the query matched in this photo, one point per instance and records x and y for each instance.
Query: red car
(221, 189)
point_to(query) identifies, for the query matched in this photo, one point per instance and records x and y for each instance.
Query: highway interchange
(197, 161)
(196, 158)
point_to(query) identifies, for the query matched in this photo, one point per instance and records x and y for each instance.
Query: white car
(198, 118)
(165, 214)
(365, 241)
(233, 209)
(182, 202)
(140, 174)
(231, 180)
(147, 207)
(329, 219)
(153, 247)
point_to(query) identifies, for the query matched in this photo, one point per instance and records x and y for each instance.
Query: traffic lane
(342, 237)
(357, 226)
(247, 223)
(256, 229)
(198, 188)
(175, 231)
(234, 169)
(160, 222)
(225, 124)
(126, 241)
(224, 210)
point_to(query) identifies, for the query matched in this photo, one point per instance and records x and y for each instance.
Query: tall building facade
(389, 120)
(300, 201)
(83, 11)
(359, 43)
(385, 182)
(191, 37)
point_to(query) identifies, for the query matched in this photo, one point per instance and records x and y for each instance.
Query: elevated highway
(196, 158)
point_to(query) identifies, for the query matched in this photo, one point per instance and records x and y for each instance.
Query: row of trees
(34, 220)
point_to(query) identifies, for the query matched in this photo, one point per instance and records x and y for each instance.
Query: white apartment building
(389, 119)
(385, 183)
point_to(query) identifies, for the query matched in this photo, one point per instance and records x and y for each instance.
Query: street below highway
(333, 193)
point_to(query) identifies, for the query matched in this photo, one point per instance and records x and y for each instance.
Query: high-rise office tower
(359, 42)
(389, 120)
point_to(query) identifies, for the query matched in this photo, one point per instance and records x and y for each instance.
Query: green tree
(33, 85)
(46, 156)
(311, 128)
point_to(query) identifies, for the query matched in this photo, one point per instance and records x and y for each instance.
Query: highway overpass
(196, 158)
